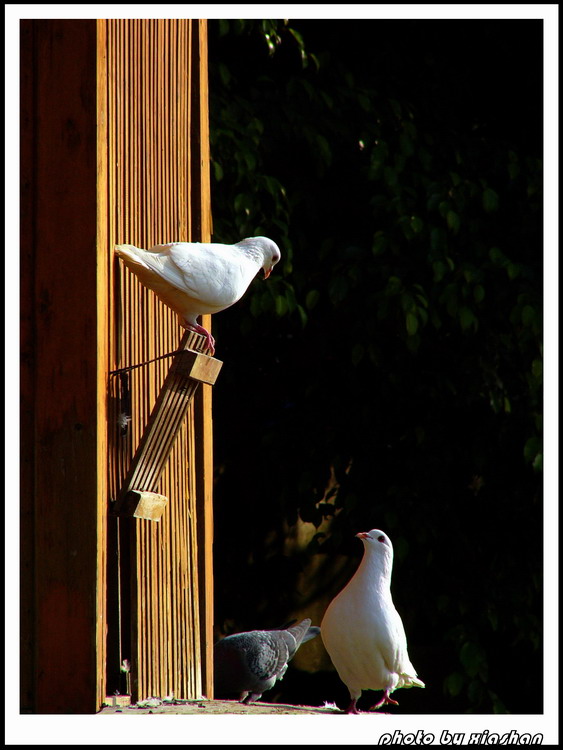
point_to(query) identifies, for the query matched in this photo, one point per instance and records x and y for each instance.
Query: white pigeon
(198, 278)
(363, 632)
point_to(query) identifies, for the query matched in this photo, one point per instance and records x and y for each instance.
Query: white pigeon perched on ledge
(200, 278)
(248, 664)
(363, 632)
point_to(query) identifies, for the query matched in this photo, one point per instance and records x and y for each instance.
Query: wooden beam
(60, 305)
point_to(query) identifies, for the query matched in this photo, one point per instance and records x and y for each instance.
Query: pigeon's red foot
(200, 329)
(352, 708)
(385, 700)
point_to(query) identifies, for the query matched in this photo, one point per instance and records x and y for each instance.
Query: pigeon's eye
(381, 539)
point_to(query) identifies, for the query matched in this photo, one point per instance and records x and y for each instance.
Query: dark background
(389, 373)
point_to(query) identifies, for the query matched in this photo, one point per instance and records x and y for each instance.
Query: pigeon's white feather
(200, 278)
(363, 632)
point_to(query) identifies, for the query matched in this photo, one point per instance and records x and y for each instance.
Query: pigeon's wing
(157, 271)
(249, 661)
(209, 272)
(391, 641)
(269, 655)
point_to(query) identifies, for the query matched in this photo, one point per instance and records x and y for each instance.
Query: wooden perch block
(149, 505)
(198, 366)
(189, 368)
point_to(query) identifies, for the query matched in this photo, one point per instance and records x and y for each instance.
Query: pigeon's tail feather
(128, 251)
(312, 632)
(285, 626)
(409, 680)
(415, 682)
(299, 631)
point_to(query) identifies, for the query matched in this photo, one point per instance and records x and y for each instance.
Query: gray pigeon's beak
(363, 535)
(267, 272)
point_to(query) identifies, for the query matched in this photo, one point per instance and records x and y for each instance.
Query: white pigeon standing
(199, 278)
(363, 632)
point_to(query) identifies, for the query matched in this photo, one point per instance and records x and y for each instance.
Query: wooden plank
(103, 280)
(27, 369)
(202, 402)
(63, 308)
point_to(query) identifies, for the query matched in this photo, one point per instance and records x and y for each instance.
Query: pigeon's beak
(267, 272)
(363, 535)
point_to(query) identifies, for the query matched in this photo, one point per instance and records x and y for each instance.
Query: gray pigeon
(196, 278)
(248, 664)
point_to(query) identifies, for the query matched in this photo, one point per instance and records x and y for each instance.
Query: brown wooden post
(63, 416)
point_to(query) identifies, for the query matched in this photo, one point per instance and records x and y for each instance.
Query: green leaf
(454, 683)
(528, 315)
(281, 306)
(437, 238)
(478, 293)
(391, 177)
(407, 302)
(490, 200)
(394, 285)
(379, 244)
(217, 171)
(412, 323)
(513, 170)
(474, 659)
(466, 318)
(453, 221)
(417, 224)
(225, 74)
(422, 314)
(513, 270)
(406, 144)
(242, 203)
(498, 257)
(439, 269)
(396, 107)
(338, 289)
(532, 448)
(312, 298)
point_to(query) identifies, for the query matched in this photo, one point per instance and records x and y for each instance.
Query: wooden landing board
(189, 368)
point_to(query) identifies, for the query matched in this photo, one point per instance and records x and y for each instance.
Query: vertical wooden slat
(104, 284)
(27, 370)
(202, 405)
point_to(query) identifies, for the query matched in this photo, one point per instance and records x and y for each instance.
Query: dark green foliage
(398, 343)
